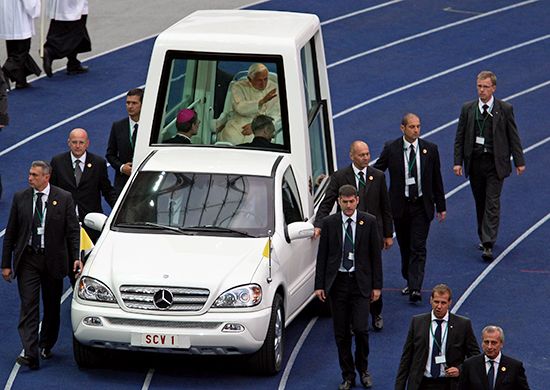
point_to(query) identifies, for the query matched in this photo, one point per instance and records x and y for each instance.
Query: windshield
(199, 203)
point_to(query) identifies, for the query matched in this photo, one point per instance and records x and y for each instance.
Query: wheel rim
(278, 339)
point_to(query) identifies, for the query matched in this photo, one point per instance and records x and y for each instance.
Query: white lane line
(440, 74)
(362, 11)
(295, 351)
(307, 330)
(495, 262)
(2, 233)
(148, 379)
(428, 32)
(63, 122)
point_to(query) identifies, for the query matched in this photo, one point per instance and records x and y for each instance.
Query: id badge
(480, 140)
(410, 181)
(40, 231)
(440, 359)
(351, 256)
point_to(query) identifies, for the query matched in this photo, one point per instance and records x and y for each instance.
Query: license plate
(158, 340)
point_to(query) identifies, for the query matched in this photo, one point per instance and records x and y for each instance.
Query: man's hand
(77, 268)
(270, 95)
(127, 168)
(388, 242)
(520, 169)
(320, 294)
(452, 372)
(6, 274)
(457, 170)
(441, 216)
(316, 232)
(375, 294)
(247, 129)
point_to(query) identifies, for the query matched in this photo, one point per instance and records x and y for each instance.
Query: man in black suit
(349, 271)
(187, 125)
(122, 140)
(492, 370)
(42, 232)
(4, 118)
(486, 137)
(436, 345)
(373, 199)
(415, 186)
(263, 129)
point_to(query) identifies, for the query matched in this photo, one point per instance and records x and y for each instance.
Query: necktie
(348, 246)
(77, 172)
(491, 374)
(435, 368)
(134, 135)
(37, 222)
(413, 188)
(361, 185)
(485, 107)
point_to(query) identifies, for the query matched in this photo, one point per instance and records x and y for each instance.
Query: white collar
(357, 170)
(445, 318)
(45, 191)
(81, 158)
(489, 103)
(497, 359)
(345, 217)
(407, 144)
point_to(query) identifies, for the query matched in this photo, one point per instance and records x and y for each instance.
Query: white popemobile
(208, 249)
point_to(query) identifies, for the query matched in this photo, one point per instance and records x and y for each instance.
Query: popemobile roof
(239, 31)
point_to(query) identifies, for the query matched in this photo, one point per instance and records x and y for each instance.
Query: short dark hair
(442, 289)
(261, 122)
(347, 190)
(136, 92)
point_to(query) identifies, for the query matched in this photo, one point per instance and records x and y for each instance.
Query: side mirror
(299, 230)
(95, 221)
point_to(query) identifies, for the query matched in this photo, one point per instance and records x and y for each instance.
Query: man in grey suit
(492, 370)
(486, 137)
(437, 344)
(42, 232)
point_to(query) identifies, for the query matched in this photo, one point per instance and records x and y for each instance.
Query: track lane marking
(362, 11)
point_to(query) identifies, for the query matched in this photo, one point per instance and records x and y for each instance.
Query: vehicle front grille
(163, 324)
(184, 298)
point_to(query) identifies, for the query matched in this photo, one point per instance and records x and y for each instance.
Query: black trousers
(350, 310)
(19, 63)
(67, 39)
(411, 231)
(33, 279)
(486, 188)
(436, 384)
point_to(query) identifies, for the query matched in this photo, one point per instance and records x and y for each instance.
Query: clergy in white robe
(255, 95)
(17, 28)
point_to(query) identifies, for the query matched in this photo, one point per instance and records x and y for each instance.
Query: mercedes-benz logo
(163, 299)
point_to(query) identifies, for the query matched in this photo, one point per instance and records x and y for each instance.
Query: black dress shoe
(415, 296)
(22, 85)
(77, 70)
(28, 361)
(377, 322)
(487, 254)
(47, 63)
(405, 290)
(45, 353)
(366, 379)
(346, 384)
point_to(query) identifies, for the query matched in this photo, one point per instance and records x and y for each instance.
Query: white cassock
(245, 100)
(16, 18)
(67, 10)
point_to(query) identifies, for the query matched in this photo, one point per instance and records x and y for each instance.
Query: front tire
(85, 356)
(269, 359)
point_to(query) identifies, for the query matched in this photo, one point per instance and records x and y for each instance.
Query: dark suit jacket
(261, 143)
(374, 199)
(392, 158)
(4, 119)
(368, 259)
(506, 140)
(178, 139)
(61, 234)
(120, 150)
(510, 375)
(461, 343)
(93, 184)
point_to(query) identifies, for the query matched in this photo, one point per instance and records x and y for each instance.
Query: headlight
(92, 289)
(242, 296)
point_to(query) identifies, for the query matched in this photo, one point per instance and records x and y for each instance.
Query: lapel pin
(371, 178)
(503, 369)
(54, 202)
(361, 222)
(89, 165)
(425, 151)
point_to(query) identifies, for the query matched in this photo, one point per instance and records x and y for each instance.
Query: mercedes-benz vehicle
(209, 248)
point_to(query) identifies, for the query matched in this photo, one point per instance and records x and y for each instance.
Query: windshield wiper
(154, 225)
(216, 229)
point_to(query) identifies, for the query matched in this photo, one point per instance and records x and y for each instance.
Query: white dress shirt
(407, 151)
(431, 333)
(44, 199)
(344, 226)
